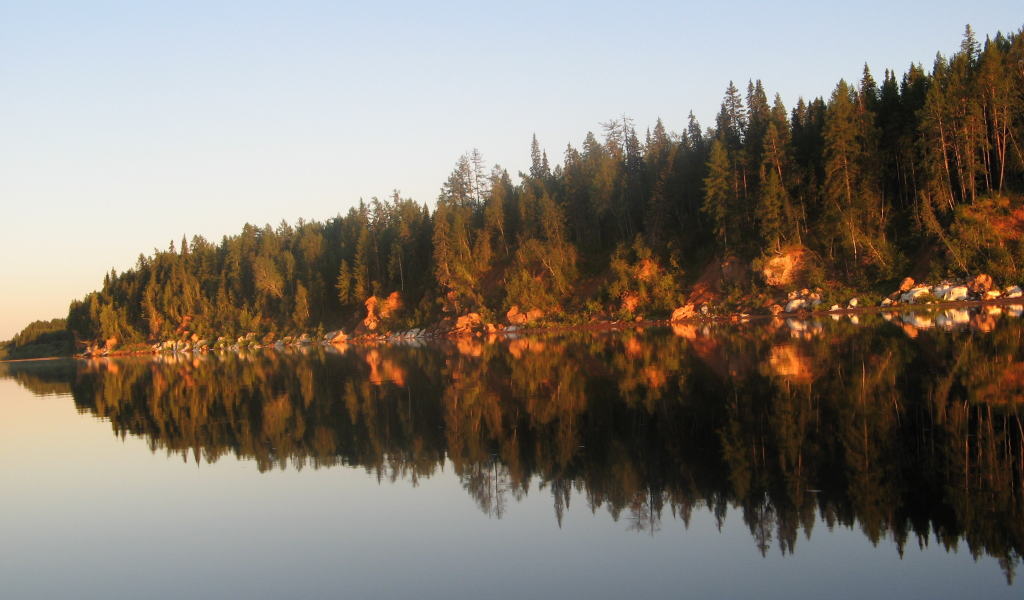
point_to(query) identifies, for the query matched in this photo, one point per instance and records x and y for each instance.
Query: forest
(921, 172)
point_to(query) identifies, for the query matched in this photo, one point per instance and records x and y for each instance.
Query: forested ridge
(925, 168)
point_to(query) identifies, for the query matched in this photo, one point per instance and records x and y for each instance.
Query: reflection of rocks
(633, 348)
(685, 331)
(382, 369)
(469, 346)
(519, 346)
(791, 362)
(983, 322)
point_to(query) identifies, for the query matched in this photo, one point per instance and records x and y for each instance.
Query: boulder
(907, 284)
(979, 284)
(784, 269)
(683, 312)
(956, 293)
(1014, 292)
(835, 307)
(992, 295)
(775, 309)
(913, 294)
(853, 303)
(515, 317)
(466, 323)
(336, 337)
(886, 302)
(795, 305)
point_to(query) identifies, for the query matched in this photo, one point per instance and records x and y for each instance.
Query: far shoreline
(620, 325)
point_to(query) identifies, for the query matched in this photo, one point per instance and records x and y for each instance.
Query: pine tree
(718, 191)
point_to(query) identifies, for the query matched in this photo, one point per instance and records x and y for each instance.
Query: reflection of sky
(88, 515)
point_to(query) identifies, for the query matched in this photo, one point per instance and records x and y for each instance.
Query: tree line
(865, 181)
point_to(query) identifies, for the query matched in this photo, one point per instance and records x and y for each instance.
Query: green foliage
(985, 237)
(40, 339)
(639, 277)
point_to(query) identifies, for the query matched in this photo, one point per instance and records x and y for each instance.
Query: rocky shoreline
(470, 326)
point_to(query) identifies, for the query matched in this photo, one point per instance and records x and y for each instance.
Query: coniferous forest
(921, 171)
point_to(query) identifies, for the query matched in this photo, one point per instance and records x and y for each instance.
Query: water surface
(782, 459)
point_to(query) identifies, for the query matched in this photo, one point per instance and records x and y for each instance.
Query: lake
(878, 455)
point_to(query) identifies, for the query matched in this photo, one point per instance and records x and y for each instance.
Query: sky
(124, 126)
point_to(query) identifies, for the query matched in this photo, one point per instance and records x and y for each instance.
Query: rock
(835, 307)
(630, 300)
(793, 295)
(956, 294)
(515, 317)
(390, 305)
(886, 302)
(775, 309)
(913, 294)
(814, 297)
(784, 269)
(979, 284)
(683, 312)
(907, 284)
(490, 328)
(336, 337)
(795, 305)
(1014, 292)
(304, 339)
(853, 303)
(466, 323)
(992, 295)
(371, 321)
(534, 314)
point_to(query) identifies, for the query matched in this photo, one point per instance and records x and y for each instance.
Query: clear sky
(126, 125)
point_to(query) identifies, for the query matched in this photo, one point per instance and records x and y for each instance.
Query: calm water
(799, 459)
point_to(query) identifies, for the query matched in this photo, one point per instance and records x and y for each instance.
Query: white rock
(1014, 292)
(835, 307)
(956, 293)
(913, 294)
(886, 302)
(795, 305)
(853, 302)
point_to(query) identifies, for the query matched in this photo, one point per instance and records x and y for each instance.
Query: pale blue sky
(126, 125)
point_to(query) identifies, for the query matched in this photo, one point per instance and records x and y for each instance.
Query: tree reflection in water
(906, 429)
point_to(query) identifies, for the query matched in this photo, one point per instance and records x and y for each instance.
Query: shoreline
(604, 326)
